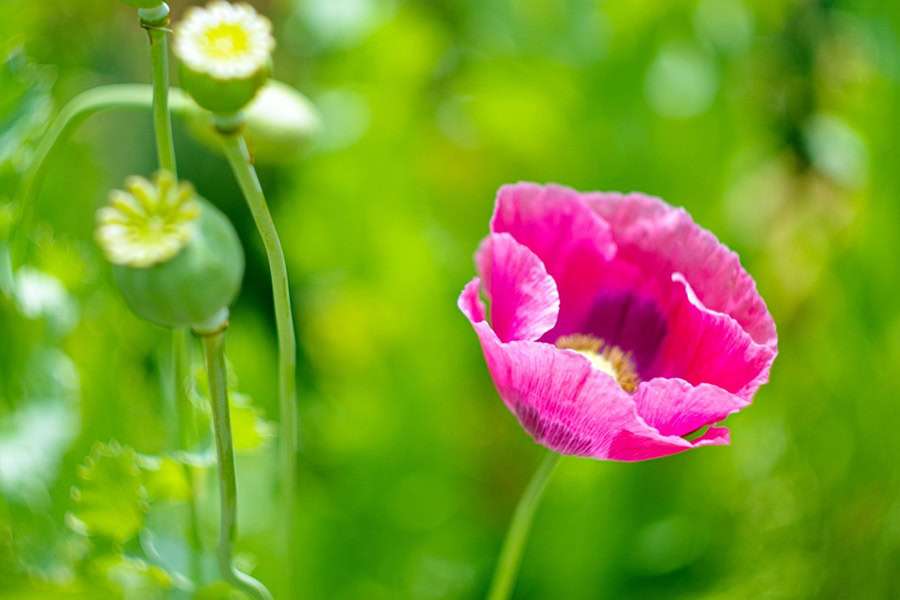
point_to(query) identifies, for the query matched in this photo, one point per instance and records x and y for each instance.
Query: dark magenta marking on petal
(554, 435)
(632, 322)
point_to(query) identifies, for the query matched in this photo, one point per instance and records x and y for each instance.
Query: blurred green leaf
(25, 108)
(110, 500)
(249, 428)
(133, 578)
(43, 296)
(34, 436)
(164, 478)
(218, 590)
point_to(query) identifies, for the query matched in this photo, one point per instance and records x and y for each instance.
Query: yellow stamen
(604, 357)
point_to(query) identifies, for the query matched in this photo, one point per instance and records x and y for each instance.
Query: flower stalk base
(519, 528)
(214, 354)
(239, 158)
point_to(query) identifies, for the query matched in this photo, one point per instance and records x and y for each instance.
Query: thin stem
(187, 436)
(519, 528)
(7, 278)
(214, 353)
(239, 159)
(162, 122)
(181, 370)
(154, 20)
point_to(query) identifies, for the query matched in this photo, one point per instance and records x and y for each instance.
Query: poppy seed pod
(279, 123)
(225, 55)
(143, 3)
(178, 260)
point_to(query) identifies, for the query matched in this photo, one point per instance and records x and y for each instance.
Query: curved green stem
(82, 106)
(239, 159)
(214, 353)
(519, 528)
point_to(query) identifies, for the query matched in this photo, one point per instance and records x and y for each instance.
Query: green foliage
(132, 577)
(774, 123)
(25, 107)
(250, 429)
(110, 499)
(164, 478)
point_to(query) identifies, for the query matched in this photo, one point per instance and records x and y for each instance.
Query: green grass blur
(773, 122)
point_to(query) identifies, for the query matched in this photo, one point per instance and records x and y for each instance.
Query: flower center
(604, 357)
(226, 40)
(149, 222)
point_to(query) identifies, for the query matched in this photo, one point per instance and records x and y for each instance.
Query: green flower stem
(122, 97)
(155, 21)
(159, 70)
(519, 528)
(181, 371)
(187, 437)
(7, 278)
(239, 159)
(214, 353)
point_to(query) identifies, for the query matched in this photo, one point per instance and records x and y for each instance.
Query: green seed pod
(279, 123)
(143, 3)
(178, 260)
(225, 52)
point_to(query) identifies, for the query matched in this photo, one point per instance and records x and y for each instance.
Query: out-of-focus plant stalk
(7, 277)
(214, 354)
(155, 21)
(519, 528)
(187, 437)
(239, 159)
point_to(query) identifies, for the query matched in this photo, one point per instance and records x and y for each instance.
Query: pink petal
(565, 404)
(705, 346)
(630, 447)
(469, 302)
(524, 299)
(665, 240)
(675, 407)
(571, 240)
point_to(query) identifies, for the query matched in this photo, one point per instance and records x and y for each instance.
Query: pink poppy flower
(617, 325)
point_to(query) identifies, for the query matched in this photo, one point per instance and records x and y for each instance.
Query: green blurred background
(774, 122)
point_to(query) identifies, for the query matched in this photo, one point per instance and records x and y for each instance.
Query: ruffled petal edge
(565, 404)
(669, 235)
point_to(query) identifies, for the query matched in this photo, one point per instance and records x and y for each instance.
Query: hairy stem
(239, 159)
(519, 528)
(214, 353)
